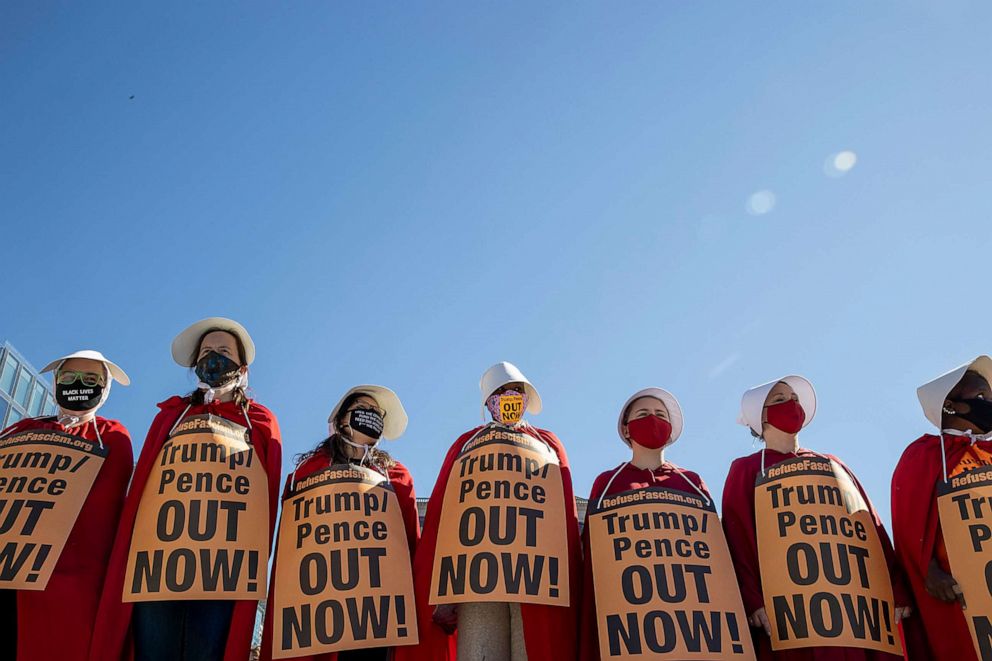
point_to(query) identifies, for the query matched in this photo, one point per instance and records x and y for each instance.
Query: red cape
(628, 479)
(549, 631)
(915, 526)
(69, 602)
(742, 537)
(111, 635)
(402, 483)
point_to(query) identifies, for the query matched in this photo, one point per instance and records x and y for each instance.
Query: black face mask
(980, 414)
(77, 397)
(367, 422)
(215, 369)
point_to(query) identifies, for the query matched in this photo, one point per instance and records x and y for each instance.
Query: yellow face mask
(507, 408)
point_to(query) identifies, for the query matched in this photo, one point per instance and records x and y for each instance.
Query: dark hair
(240, 393)
(334, 448)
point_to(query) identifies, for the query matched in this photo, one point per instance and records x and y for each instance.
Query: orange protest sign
(663, 579)
(45, 477)
(964, 505)
(502, 532)
(824, 574)
(202, 527)
(343, 580)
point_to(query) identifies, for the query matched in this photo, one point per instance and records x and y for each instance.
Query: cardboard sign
(344, 579)
(502, 532)
(202, 528)
(824, 575)
(964, 504)
(45, 477)
(664, 580)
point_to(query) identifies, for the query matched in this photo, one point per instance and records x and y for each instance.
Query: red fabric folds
(938, 630)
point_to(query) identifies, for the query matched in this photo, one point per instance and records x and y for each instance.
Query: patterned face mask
(507, 407)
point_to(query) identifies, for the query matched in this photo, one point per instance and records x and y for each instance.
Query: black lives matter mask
(367, 422)
(78, 397)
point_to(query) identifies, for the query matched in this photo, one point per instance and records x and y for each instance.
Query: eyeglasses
(88, 379)
(366, 407)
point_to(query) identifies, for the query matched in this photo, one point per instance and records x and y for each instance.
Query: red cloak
(67, 606)
(742, 537)
(112, 632)
(402, 483)
(628, 478)
(549, 631)
(916, 527)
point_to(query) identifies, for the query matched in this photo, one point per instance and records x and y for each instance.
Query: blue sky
(406, 193)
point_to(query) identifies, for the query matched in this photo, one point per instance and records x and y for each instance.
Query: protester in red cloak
(949, 402)
(349, 445)
(796, 400)
(660, 424)
(73, 592)
(191, 627)
(549, 631)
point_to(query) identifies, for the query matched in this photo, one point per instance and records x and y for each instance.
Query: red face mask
(650, 431)
(787, 416)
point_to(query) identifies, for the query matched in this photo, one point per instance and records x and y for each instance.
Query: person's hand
(759, 619)
(941, 585)
(446, 617)
(902, 612)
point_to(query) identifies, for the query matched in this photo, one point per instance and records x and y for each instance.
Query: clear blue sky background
(404, 194)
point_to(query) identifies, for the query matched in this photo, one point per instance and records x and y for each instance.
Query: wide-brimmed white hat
(666, 398)
(503, 373)
(116, 373)
(933, 394)
(395, 421)
(753, 401)
(187, 342)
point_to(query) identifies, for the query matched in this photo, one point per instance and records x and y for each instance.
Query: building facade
(23, 392)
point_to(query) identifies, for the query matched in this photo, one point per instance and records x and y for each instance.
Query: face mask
(215, 369)
(77, 397)
(980, 414)
(788, 416)
(507, 407)
(366, 421)
(650, 431)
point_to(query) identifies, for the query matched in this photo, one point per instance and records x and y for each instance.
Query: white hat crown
(503, 373)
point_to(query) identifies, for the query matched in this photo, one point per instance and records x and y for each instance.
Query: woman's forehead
(83, 365)
(647, 402)
(218, 337)
(782, 388)
(366, 399)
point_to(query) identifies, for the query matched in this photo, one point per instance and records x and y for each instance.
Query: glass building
(23, 392)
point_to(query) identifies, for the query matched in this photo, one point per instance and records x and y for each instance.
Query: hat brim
(186, 344)
(116, 373)
(395, 422)
(666, 398)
